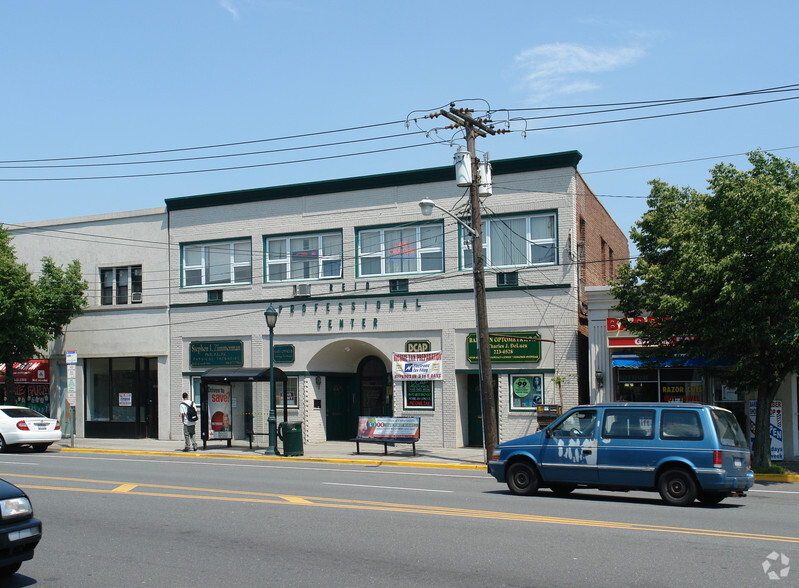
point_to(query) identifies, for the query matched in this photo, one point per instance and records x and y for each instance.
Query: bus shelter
(216, 402)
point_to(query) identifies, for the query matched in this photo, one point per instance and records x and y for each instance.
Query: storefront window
(659, 385)
(291, 392)
(526, 392)
(418, 395)
(111, 389)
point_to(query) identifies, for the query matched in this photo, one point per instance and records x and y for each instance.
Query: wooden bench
(388, 431)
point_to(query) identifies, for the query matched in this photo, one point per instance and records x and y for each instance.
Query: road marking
(385, 487)
(225, 495)
(775, 491)
(124, 488)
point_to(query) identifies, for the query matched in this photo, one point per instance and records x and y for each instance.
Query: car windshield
(727, 428)
(21, 413)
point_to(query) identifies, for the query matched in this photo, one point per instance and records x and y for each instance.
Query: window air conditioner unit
(508, 279)
(302, 290)
(214, 295)
(398, 286)
(135, 296)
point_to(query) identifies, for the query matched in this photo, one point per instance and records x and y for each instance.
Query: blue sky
(89, 78)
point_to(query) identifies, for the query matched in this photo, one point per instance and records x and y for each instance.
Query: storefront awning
(223, 374)
(35, 371)
(630, 360)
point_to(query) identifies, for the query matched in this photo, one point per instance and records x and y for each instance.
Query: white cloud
(563, 68)
(228, 5)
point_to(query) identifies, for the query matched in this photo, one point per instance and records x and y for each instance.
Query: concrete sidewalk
(331, 451)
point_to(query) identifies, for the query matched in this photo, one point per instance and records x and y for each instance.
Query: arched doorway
(373, 384)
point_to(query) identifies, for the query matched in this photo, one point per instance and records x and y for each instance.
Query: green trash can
(291, 434)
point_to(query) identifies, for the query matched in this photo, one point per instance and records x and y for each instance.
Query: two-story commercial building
(357, 275)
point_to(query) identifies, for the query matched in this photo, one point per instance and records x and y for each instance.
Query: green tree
(723, 268)
(33, 313)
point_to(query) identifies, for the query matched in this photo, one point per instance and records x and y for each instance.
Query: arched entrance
(374, 399)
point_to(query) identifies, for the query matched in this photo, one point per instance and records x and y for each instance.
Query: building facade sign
(284, 353)
(216, 354)
(508, 347)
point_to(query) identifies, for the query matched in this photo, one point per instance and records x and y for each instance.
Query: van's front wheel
(523, 478)
(677, 487)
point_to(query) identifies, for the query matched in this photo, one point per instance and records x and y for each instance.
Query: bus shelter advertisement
(219, 411)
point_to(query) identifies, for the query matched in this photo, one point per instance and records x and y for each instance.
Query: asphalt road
(128, 520)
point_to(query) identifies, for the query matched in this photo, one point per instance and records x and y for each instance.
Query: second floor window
(401, 250)
(303, 257)
(120, 285)
(515, 241)
(220, 262)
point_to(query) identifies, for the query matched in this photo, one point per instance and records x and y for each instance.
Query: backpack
(191, 413)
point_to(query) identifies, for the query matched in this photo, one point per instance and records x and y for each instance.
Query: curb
(371, 462)
(776, 478)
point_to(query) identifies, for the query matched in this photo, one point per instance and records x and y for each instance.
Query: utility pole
(474, 127)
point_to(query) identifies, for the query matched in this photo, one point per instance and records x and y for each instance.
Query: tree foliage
(33, 313)
(722, 268)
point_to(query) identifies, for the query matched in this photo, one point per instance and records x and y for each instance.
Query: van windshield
(728, 429)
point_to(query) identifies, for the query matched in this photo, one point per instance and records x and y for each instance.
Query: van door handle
(586, 452)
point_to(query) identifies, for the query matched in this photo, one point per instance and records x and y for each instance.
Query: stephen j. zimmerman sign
(417, 366)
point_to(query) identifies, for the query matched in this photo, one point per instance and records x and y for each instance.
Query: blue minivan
(683, 451)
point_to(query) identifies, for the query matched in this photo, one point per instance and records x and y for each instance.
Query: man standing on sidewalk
(188, 414)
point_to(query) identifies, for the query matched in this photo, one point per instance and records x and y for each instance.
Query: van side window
(680, 424)
(628, 424)
(581, 423)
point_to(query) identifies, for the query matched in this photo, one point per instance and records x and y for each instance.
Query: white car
(22, 426)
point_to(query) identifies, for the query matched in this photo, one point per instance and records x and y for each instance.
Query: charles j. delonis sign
(508, 347)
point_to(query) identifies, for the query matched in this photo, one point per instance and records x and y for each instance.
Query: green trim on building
(328, 297)
(388, 180)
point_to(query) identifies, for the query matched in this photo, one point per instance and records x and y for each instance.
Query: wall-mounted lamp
(318, 380)
(600, 378)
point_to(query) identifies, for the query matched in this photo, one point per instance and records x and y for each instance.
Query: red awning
(35, 371)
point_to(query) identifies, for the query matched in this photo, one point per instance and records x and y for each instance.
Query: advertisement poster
(775, 428)
(417, 366)
(527, 392)
(220, 409)
(406, 428)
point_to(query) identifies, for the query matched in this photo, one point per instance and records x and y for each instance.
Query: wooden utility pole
(473, 128)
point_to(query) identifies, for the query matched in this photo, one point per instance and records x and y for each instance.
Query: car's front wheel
(677, 487)
(523, 478)
(3, 445)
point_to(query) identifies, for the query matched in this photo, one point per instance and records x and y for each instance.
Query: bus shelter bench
(388, 431)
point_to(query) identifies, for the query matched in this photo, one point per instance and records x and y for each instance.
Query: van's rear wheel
(523, 478)
(677, 487)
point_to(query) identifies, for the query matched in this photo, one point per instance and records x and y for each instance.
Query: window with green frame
(217, 263)
(401, 250)
(313, 256)
(515, 241)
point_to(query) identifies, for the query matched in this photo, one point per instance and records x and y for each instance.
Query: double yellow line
(223, 495)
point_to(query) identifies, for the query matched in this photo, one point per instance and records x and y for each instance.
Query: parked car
(19, 531)
(23, 426)
(682, 451)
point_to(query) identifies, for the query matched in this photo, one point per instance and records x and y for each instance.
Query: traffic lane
(437, 487)
(286, 477)
(158, 539)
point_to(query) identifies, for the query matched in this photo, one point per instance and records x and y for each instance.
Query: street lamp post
(271, 319)
(481, 320)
